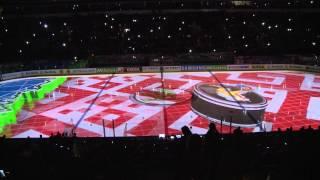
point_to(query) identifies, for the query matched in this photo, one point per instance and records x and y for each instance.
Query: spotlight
(2, 174)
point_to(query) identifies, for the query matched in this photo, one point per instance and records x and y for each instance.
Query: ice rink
(151, 104)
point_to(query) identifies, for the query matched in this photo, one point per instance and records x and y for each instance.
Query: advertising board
(216, 67)
(171, 68)
(276, 66)
(239, 67)
(151, 69)
(296, 67)
(30, 73)
(107, 70)
(83, 71)
(49, 72)
(8, 76)
(313, 68)
(258, 67)
(192, 68)
(132, 69)
(202, 68)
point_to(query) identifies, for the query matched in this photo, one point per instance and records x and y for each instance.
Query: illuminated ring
(207, 103)
(153, 98)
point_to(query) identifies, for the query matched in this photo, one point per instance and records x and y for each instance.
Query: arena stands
(66, 30)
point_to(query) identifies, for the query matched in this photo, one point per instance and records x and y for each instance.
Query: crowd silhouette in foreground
(266, 156)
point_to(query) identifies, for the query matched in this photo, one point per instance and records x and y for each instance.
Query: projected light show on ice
(149, 104)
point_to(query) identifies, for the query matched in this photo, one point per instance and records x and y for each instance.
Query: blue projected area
(14, 94)
(10, 90)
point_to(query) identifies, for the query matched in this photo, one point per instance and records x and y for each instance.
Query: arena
(159, 89)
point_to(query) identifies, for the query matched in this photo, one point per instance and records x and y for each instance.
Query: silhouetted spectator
(194, 155)
(238, 131)
(211, 138)
(211, 150)
(194, 143)
(212, 131)
(186, 131)
(58, 134)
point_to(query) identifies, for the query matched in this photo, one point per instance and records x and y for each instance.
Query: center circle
(161, 96)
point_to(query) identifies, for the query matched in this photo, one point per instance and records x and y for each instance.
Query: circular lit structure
(160, 96)
(233, 104)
